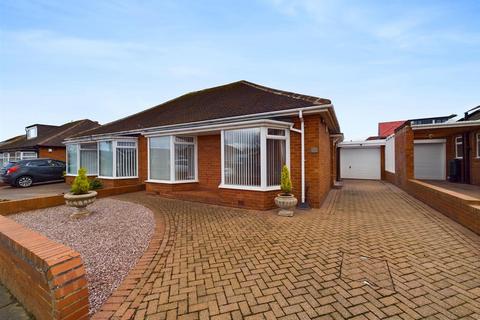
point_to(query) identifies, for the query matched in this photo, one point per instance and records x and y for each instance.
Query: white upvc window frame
(263, 159)
(457, 143)
(478, 145)
(77, 146)
(114, 157)
(172, 143)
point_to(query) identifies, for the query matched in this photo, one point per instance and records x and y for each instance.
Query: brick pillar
(403, 155)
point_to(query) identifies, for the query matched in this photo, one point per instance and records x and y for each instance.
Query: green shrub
(80, 184)
(95, 184)
(286, 183)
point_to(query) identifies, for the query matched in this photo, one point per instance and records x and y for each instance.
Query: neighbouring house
(437, 160)
(42, 141)
(223, 145)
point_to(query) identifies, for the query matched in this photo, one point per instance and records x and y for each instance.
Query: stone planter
(286, 203)
(80, 202)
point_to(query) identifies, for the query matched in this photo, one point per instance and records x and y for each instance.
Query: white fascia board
(288, 112)
(100, 138)
(218, 127)
(425, 141)
(363, 144)
(459, 124)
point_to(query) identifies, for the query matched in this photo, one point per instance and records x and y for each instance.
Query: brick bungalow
(42, 141)
(223, 145)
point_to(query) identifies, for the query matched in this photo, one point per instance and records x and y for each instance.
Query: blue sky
(376, 60)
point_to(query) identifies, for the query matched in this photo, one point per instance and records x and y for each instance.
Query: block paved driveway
(371, 252)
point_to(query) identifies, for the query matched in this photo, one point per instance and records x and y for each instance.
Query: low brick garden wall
(459, 208)
(15, 206)
(48, 278)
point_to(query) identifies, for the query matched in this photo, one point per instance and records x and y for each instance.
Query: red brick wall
(475, 162)
(403, 156)
(57, 153)
(209, 158)
(461, 211)
(46, 277)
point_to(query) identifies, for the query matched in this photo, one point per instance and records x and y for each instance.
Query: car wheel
(24, 182)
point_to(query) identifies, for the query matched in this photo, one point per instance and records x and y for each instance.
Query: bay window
(242, 157)
(126, 158)
(172, 159)
(88, 157)
(107, 159)
(72, 159)
(253, 158)
(159, 158)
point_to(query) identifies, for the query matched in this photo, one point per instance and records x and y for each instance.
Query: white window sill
(248, 188)
(170, 182)
(74, 175)
(117, 178)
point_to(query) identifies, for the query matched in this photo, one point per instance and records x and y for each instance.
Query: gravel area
(110, 240)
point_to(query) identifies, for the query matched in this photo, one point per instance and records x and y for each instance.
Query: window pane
(126, 161)
(88, 157)
(72, 159)
(276, 159)
(276, 132)
(478, 145)
(29, 155)
(160, 158)
(242, 157)
(184, 162)
(184, 139)
(106, 158)
(459, 147)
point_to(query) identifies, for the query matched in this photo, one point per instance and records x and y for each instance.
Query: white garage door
(360, 163)
(429, 161)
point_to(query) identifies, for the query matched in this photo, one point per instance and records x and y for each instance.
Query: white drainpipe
(302, 135)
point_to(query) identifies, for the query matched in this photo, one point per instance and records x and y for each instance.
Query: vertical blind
(106, 158)
(126, 155)
(276, 159)
(72, 166)
(184, 158)
(160, 158)
(242, 157)
(88, 157)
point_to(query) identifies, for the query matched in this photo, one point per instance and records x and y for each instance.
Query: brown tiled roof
(48, 136)
(234, 99)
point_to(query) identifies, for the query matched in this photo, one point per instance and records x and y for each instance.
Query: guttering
(366, 143)
(288, 112)
(100, 138)
(217, 127)
(459, 124)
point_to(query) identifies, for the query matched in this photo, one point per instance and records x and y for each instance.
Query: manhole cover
(369, 271)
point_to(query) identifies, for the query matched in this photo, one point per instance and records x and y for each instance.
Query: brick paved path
(371, 252)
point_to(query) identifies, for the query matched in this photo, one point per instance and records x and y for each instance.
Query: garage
(429, 159)
(361, 160)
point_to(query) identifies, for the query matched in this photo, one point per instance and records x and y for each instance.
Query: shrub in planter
(95, 184)
(80, 195)
(285, 200)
